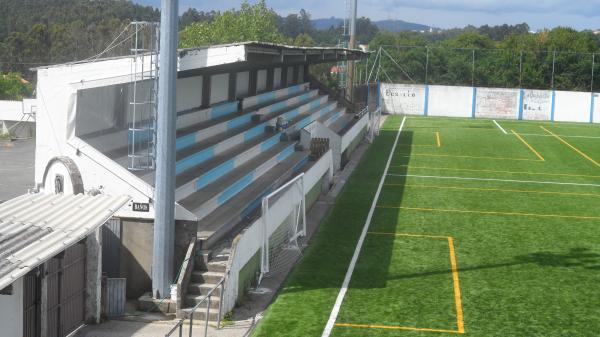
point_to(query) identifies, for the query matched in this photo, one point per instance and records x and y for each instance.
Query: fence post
(207, 314)
(221, 304)
(191, 322)
(593, 66)
(521, 69)
(473, 70)
(426, 64)
(553, 63)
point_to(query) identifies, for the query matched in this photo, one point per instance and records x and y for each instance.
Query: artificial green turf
(527, 273)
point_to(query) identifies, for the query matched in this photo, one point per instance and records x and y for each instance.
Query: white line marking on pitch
(492, 179)
(501, 128)
(565, 136)
(344, 289)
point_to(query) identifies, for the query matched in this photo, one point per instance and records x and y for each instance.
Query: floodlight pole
(164, 193)
(350, 64)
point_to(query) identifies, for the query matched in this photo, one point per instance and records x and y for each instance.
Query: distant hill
(399, 25)
(389, 25)
(322, 24)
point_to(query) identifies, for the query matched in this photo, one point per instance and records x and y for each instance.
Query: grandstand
(247, 114)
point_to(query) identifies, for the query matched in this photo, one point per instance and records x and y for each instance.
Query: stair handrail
(208, 297)
(184, 275)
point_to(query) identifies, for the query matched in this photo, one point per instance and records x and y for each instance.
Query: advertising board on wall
(537, 105)
(497, 103)
(403, 99)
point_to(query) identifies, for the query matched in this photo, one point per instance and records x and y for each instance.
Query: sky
(539, 14)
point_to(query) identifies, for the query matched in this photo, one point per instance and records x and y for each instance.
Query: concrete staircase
(208, 272)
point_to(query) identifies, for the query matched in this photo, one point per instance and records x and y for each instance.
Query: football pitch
(456, 227)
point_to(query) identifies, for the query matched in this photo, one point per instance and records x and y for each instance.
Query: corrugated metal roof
(35, 227)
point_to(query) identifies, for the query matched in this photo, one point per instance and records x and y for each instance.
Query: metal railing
(207, 299)
(177, 327)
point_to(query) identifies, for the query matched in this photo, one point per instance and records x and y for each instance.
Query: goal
(374, 123)
(283, 222)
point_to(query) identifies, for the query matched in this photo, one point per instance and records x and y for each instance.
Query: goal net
(284, 221)
(374, 123)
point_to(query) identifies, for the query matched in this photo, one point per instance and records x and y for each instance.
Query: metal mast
(351, 45)
(164, 193)
(343, 43)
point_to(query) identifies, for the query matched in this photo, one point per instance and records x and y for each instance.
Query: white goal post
(374, 121)
(283, 222)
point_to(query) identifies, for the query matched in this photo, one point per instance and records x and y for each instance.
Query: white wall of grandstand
(241, 112)
(499, 103)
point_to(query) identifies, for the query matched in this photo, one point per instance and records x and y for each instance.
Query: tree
(13, 87)
(193, 15)
(251, 23)
(304, 40)
(365, 30)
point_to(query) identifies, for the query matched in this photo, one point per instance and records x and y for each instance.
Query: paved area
(16, 168)
(158, 329)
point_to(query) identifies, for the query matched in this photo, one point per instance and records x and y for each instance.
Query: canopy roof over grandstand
(250, 53)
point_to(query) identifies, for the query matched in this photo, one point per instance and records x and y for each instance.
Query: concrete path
(158, 329)
(16, 168)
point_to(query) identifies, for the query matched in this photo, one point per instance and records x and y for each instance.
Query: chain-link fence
(501, 68)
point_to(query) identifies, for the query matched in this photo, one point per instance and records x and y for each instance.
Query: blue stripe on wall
(266, 97)
(474, 103)
(315, 104)
(254, 132)
(195, 159)
(215, 173)
(223, 109)
(292, 113)
(235, 188)
(592, 109)
(285, 153)
(238, 121)
(303, 123)
(185, 141)
(553, 105)
(521, 95)
(426, 104)
(270, 142)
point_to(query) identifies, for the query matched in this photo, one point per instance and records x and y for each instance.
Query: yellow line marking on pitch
(491, 212)
(496, 171)
(460, 156)
(456, 287)
(437, 139)
(392, 327)
(571, 146)
(528, 145)
(494, 189)
(457, 298)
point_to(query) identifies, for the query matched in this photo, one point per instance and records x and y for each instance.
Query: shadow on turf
(574, 258)
(372, 269)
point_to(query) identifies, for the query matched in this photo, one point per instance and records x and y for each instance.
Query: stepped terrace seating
(231, 154)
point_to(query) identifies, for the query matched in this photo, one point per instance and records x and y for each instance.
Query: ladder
(141, 137)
